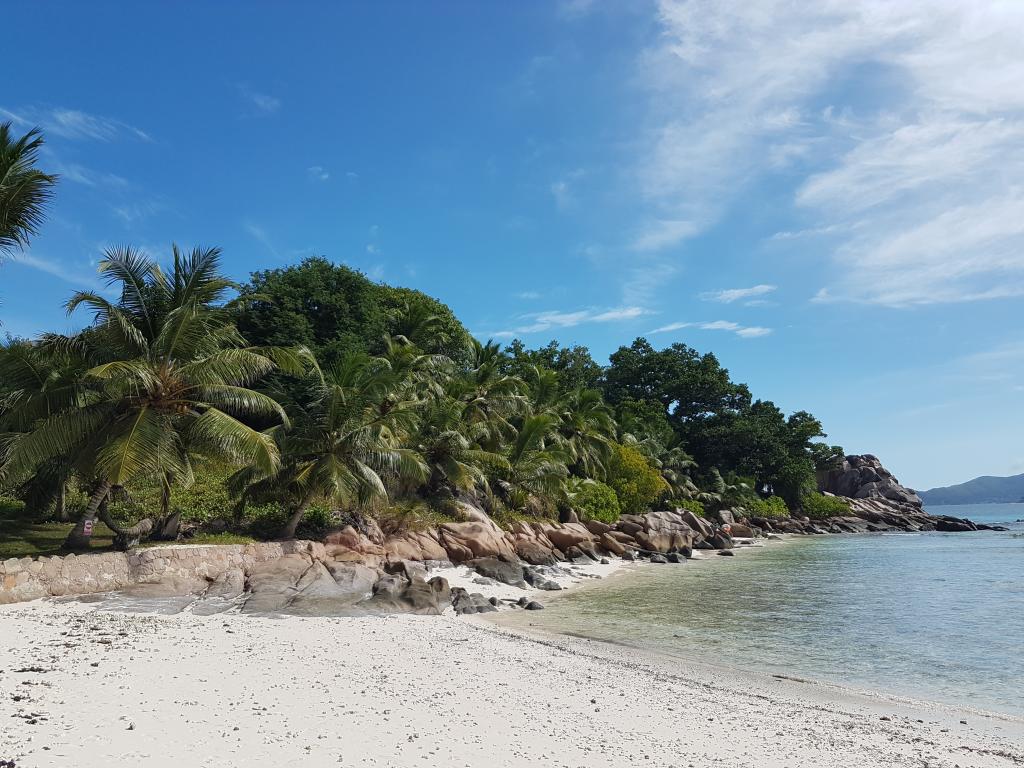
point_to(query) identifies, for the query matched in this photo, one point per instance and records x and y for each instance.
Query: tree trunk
(288, 532)
(81, 534)
(126, 538)
(165, 497)
(61, 510)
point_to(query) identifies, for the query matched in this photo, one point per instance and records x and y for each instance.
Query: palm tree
(169, 381)
(450, 448)
(24, 190)
(345, 445)
(535, 466)
(38, 380)
(489, 396)
(586, 430)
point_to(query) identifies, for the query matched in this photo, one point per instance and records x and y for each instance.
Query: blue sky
(830, 198)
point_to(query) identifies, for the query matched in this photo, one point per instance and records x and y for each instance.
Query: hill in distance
(980, 490)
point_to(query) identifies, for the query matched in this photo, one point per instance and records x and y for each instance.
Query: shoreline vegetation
(349, 452)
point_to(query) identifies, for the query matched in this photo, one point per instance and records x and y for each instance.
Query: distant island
(980, 490)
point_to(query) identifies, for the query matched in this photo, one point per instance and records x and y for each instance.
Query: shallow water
(935, 615)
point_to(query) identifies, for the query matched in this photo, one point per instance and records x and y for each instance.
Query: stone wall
(185, 565)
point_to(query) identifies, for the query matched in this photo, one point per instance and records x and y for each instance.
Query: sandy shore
(85, 687)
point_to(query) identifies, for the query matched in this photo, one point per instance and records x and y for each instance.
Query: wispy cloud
(79, 174)
(68, 273)
(915, 173)
(73, 123)
(664, 233)
(260, 234)
(318, 173)
(743, 331)
(528, 295)
(563, 189)
(136, 211)
(729, 295)
(545, 321)
(263, 102)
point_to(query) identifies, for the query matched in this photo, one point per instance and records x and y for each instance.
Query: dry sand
(87, 687)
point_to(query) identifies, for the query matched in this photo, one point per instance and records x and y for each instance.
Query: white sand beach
(86, 687)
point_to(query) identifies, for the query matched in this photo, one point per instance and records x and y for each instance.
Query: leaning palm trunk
(61, 505)
(81, 534)
(125, 538)
(288, 532)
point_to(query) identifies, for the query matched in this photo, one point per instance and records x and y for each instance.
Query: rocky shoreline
(359, 572)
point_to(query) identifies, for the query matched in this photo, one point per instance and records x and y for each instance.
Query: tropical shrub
(594, 500)
(773, 507)
(818, 506)
(637, 484)
(693, 505)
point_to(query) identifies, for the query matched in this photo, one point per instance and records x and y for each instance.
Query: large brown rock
(566, 535)
(392, 594)
(414, 545)
(350, 545)
(534, 552)
(609, 543)
(478, 537)
(698, 524)
(271, 585)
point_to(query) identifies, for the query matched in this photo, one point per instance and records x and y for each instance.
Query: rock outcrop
(864, 478)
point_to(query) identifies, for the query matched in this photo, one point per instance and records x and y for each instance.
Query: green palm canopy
(168, 380)
(25, 191)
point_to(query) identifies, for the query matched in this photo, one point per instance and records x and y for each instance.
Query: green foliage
(153, 406)
(693, 505)
(25, 191)
(773, 507)
(635, 481)
(594, 500)
(23, 535)
(573, 367)
(337, 311)
(818, 506)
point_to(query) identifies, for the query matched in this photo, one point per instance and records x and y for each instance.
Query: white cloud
(261, 101)
(746, 332)
(79, 174)
(729, 295)
(544, 321)
(261, 235)
(563, 189)
(528, 295)
(318, 173)
(132, 212)
(77, 277)
(73, 123)
(664, 233)
(914, 172)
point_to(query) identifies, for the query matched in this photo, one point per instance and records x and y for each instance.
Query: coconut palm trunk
(81, 535)
(125, 538)
(61, 505)
(288, 532)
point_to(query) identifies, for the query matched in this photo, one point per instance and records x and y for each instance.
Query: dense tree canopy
(311, 387)
(334, 310)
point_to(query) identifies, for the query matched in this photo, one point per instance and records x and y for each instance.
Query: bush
(694, 506)
(594, 500)
(773, 507)
(635, 481)
(818, 506)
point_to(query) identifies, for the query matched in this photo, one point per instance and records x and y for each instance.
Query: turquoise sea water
(935, 615)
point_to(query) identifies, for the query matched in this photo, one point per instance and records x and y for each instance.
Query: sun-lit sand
(87, 687)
